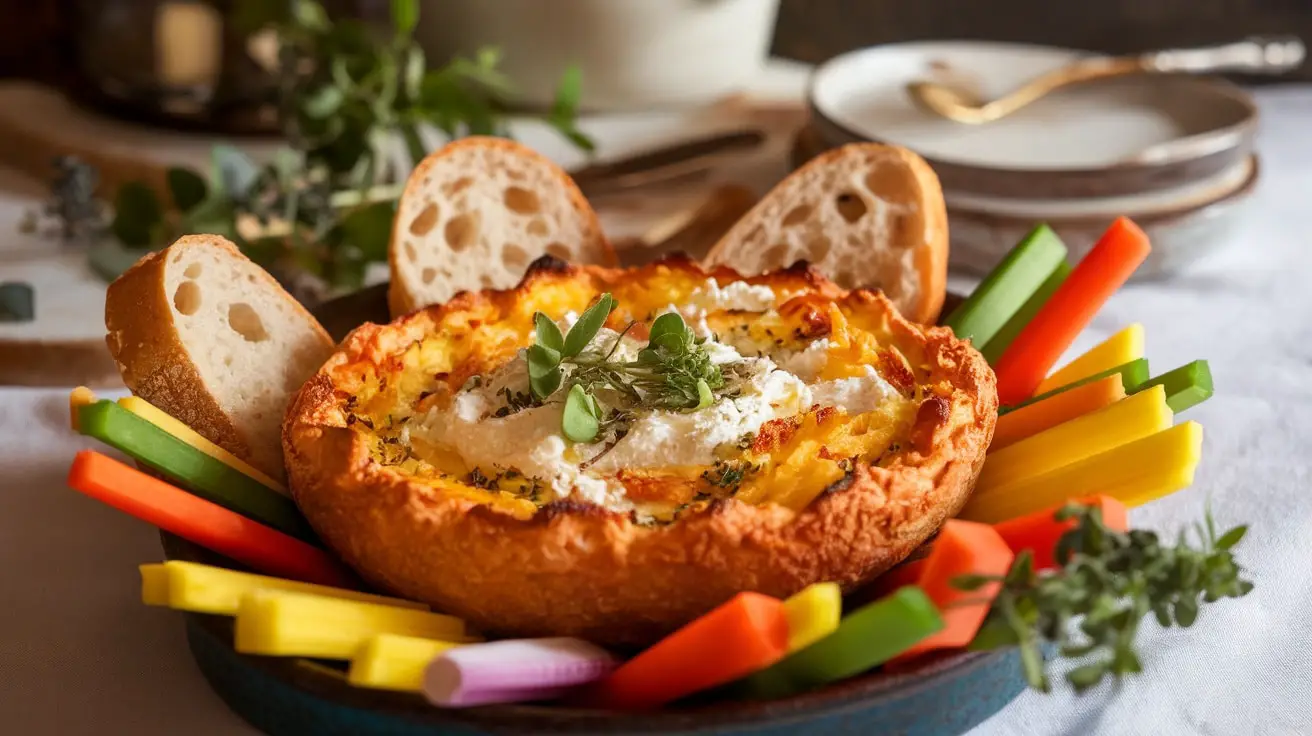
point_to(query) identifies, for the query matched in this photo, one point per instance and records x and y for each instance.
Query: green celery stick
(1008, 287)
(1134, 375)
(1186, 386)
(208, 478)
(864, 639)
(998, 345)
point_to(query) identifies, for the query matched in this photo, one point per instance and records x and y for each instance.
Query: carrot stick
(207, 524)
(746, 634)
(1099, 274)
(1040, 531)
(1031, 419)
(961, 548)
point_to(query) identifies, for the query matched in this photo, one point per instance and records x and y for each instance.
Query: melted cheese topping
(454, 410)
(479, 426)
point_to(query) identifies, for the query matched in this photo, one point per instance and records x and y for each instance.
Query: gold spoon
(1253, 56)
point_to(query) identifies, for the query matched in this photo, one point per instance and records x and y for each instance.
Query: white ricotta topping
(856, 395)
(711, 297)
(668, 438)
(720, 354)
(738, 296)
(528, 441)
(806, 363)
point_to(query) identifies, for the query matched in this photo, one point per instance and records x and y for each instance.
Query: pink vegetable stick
(514, 670)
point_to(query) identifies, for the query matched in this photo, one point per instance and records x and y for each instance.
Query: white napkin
(1243, 667)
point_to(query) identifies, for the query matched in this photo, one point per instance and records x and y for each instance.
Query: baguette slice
(209, 337)
(866, 215)
(475, 213)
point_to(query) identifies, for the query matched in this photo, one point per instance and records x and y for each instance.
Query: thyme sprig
(1108, 581)
(673, 372)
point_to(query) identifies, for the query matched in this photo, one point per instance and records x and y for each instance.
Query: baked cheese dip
(612, 418)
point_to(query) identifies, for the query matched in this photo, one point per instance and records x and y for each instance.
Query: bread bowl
(625, 551)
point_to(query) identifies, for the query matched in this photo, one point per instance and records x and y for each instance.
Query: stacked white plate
(1173, 153)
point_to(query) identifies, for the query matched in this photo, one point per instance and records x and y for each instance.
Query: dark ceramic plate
(941, 696)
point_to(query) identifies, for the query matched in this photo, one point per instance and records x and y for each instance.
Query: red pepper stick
(209, 525)
(1040, 531)
(1042, 342)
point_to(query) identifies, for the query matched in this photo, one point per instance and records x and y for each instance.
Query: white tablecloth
(80, 654)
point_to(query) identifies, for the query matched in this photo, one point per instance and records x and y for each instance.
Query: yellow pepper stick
(155, 416)
(1134, 474)
(1119, 349)
(154, 585)
(80, 397)
(190, 586)
(391, 662)
(813, 614)
(1127, 420)
(279, 623)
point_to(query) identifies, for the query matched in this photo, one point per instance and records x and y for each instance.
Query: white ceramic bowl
(633, 53)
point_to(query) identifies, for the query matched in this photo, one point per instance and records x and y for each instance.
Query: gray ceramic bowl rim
(1191, 156)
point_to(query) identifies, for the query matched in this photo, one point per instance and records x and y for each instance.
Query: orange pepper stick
(961, 548)
(209, 525)
(1042, 342)
(1074, 403)
(745, 634)
(1040, 531)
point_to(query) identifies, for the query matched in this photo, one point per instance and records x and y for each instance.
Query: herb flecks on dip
(732, 393)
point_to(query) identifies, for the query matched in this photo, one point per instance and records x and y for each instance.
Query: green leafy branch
(1109, 581)
(672, 372)
(325, 203)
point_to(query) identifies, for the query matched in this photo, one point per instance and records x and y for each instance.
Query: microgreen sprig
(673, 371)
(1091, 606)
(545, 355)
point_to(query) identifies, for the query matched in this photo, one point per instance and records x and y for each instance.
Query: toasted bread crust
(578, 569)
(400, 299)
(152, 360)
(929, 240)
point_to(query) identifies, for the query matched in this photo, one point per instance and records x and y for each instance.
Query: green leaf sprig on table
(345, 89)
(1109, 581)
(673, 371)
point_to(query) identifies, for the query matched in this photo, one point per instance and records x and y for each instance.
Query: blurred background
(80, 44)
(127, 123)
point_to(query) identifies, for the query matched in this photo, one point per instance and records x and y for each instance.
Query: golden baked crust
(573, 568)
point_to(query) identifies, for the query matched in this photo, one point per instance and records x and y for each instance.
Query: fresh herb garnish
(729, 474)
(515, 401)
(544, 374)
(1108, 581)
(581, 419)
(673, 372)
(479, 479)
(354, 102)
